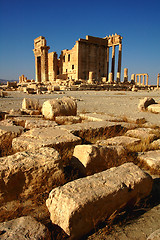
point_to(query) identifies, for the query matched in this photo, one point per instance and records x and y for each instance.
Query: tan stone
(23, 228)
(25, 175)
(62, 140)
(155, 144)
(155, 235)
(67, 120)
(144, 103)
(93, 131)
(145, 134)
(30, 104)
(125, 141)
(59, 107)
(7, 133)
(151, 159)
(39, 123)
(155, 108)
(96, 158)
(79, 205)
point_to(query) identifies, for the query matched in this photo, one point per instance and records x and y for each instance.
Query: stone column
(158, 80)
(113, 61)
(133, 78)
(110, 77)
(90, 80)
(147, 80)
(139, 79)
(20, 79)
(119, 63)
(44, 64)
(107, 73)
(125, 75)
(143, 82)
(136, 78)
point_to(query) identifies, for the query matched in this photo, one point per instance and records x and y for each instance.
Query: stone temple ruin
(88, 59)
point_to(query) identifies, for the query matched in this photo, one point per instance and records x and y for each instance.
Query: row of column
(112, 73)
(143, 80)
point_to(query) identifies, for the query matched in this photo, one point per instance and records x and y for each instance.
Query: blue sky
(64, 22)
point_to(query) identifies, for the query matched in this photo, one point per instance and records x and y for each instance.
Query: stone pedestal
(110, 78)
(125, 75)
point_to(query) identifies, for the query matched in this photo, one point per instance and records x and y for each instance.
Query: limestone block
(67, 120)
(125, 141)
(25, 175)
(155, 144)
(79, 205)
(145, 134)
(96, 158)
(39, 123)
(144, 103)
(59, 107)
(30, 104)
(155, 108)
(62, 140)
(99, 117)
(155, 235)
(31, 112)
(23, 228)
(93, 131)
(7, 133)
(151, 159)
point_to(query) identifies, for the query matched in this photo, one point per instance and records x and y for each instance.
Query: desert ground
(145, 218)
(113, 103)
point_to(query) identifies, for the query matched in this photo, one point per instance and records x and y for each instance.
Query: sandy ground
(115, 104)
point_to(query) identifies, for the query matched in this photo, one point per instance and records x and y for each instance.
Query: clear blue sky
(63, 22)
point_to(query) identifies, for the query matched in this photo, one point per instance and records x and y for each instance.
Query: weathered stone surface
(31, 112)
(145, 134)
(59, 107)
(100, 117)
(67, 120)
(23, 228)
(96, 158)
(120, 140)
(30, 104)
(7, 133)
(92, 131)
(25, 175)
(78, 205)
(155, 144)
(39, 123)
(155, 108)
(151, 158)
(155, 235)
(144, 103)
(60, 139)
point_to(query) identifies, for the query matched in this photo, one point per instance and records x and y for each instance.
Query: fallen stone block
(31, 112)
(25, 175)
(59, 107)
(96, 158)
(79, 205)
(93, 131)
(144, 103)
(155, 108)
(60, 139)
(30, 104)
(151, 159)
(99, 117)
(23, 228)
(67, 120)
(39, 123)
(155, 144)
(145, 134)
(7, 134)
(125, 141)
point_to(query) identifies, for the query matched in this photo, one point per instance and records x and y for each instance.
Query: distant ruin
(87, 60)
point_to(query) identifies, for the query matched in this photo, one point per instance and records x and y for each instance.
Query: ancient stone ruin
(74, 169)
